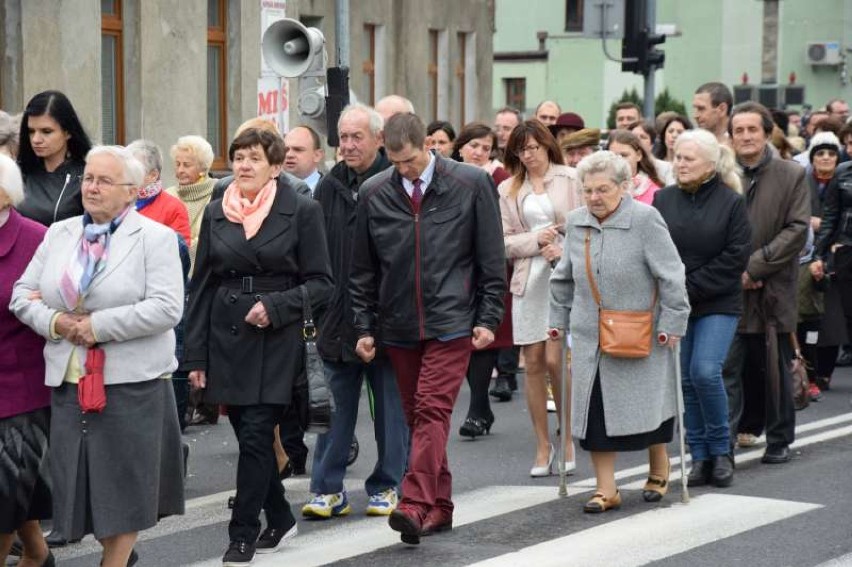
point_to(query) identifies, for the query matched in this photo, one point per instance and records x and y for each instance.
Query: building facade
(161, 69)
(541, 53)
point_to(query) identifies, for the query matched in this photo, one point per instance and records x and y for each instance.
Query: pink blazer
(563, 188)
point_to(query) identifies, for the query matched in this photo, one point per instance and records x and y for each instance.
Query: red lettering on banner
(267, 103)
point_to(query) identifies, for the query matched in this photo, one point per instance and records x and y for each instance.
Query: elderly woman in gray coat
(619, 404)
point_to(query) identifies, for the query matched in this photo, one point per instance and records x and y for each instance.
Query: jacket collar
(621, 218)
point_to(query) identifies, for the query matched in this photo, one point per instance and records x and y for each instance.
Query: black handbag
(320, 402)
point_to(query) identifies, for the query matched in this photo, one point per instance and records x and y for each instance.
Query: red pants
(429, 378)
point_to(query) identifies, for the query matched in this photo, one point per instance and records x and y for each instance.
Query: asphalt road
(797, 514)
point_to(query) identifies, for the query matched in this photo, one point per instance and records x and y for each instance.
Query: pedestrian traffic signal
(638, 54)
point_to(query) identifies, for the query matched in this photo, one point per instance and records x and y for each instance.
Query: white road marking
(643, 538)
(364, 536)
(843, 561)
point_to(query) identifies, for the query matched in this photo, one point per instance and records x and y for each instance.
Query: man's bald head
(393, 104)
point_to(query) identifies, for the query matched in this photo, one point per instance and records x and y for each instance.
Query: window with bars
(112, 73)
(217, 61)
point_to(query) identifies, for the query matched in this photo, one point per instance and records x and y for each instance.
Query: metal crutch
(679, 393)
(563, 396)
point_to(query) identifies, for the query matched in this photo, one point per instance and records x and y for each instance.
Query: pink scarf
(250, 214)
(644, 188)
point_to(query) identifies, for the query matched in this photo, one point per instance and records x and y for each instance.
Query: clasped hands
(76, 328)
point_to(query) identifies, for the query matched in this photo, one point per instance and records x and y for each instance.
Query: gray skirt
(120, 470)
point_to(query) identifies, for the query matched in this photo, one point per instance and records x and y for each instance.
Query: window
(461, 76)
(574, 15)
(432, 99)
(217, 127)
(516, 93)
(466, 77)
(369, 66)
(112, 73)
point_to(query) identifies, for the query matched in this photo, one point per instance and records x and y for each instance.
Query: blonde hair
(198, 147)
(721, 156)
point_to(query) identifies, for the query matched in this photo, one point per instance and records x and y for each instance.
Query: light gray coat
(631, 252)
(135, 302)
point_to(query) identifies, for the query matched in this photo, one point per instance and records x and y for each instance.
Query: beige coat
(563, 188)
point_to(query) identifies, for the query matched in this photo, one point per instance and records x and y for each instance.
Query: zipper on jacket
(418, 288)
(61, 193)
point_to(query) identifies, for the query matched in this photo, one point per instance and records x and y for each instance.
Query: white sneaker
(382, 503)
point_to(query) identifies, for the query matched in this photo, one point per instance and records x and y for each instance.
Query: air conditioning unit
(824, 53)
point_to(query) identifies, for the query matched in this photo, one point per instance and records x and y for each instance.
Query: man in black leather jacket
(427, 276)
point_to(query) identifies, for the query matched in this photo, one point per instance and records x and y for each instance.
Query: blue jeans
(332, 448)
(702, 355)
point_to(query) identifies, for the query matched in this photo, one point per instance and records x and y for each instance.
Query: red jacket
(169, 210)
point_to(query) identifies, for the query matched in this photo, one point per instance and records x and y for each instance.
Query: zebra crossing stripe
(650, 536)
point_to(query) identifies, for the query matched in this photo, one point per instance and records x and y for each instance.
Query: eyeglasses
(527, 149)
(103, 183)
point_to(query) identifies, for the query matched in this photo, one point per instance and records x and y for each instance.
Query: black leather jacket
(836, 227)
(53, 196)
(436, 273)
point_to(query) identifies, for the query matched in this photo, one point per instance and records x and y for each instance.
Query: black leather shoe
(776, 455)
(474, 427)
(723, 471)
(513, 382)
(501, 390)
(700, 473)
(55, 539)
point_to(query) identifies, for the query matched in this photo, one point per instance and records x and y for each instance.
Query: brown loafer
(600, 503)
(657, 486)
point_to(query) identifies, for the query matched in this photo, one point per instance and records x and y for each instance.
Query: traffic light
(638, 53)
(631, 44)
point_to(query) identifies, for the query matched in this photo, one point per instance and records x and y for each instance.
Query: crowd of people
(429, 257)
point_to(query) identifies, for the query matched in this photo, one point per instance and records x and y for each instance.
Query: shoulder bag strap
(595, 293)
(308, 328)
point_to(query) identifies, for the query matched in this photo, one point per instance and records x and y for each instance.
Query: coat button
(258, 268)
(232, 298)
(234, 330)
(232, 273)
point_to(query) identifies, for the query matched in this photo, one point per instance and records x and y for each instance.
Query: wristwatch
(662, 338)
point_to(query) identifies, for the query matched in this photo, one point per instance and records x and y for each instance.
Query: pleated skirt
(120, 470)
(24, 469)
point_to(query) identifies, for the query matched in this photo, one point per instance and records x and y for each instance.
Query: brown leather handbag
(623, 334)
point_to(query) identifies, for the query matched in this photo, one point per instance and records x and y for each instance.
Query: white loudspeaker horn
(291, 49)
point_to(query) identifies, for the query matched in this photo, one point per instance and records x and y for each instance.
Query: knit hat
(823, 141)
(582, 138)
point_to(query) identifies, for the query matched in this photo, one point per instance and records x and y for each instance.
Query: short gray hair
(148, 153)
(198, 147)
(11, 182)
(376, 122)
(133, 169)
(605, 162)
(398, 101)
(9, 128)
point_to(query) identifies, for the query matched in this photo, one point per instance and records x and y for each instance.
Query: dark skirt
(598, 440)
(24, 469)
(118, 471)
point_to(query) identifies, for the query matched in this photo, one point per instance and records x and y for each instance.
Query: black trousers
(258, 485)
(508, 360)
(292, 436)
(752, 404)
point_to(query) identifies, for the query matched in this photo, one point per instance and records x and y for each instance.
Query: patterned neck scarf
(148, 193)
(89, 261)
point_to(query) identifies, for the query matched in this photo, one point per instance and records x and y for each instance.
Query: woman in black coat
(708, 221)
(258, 245)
